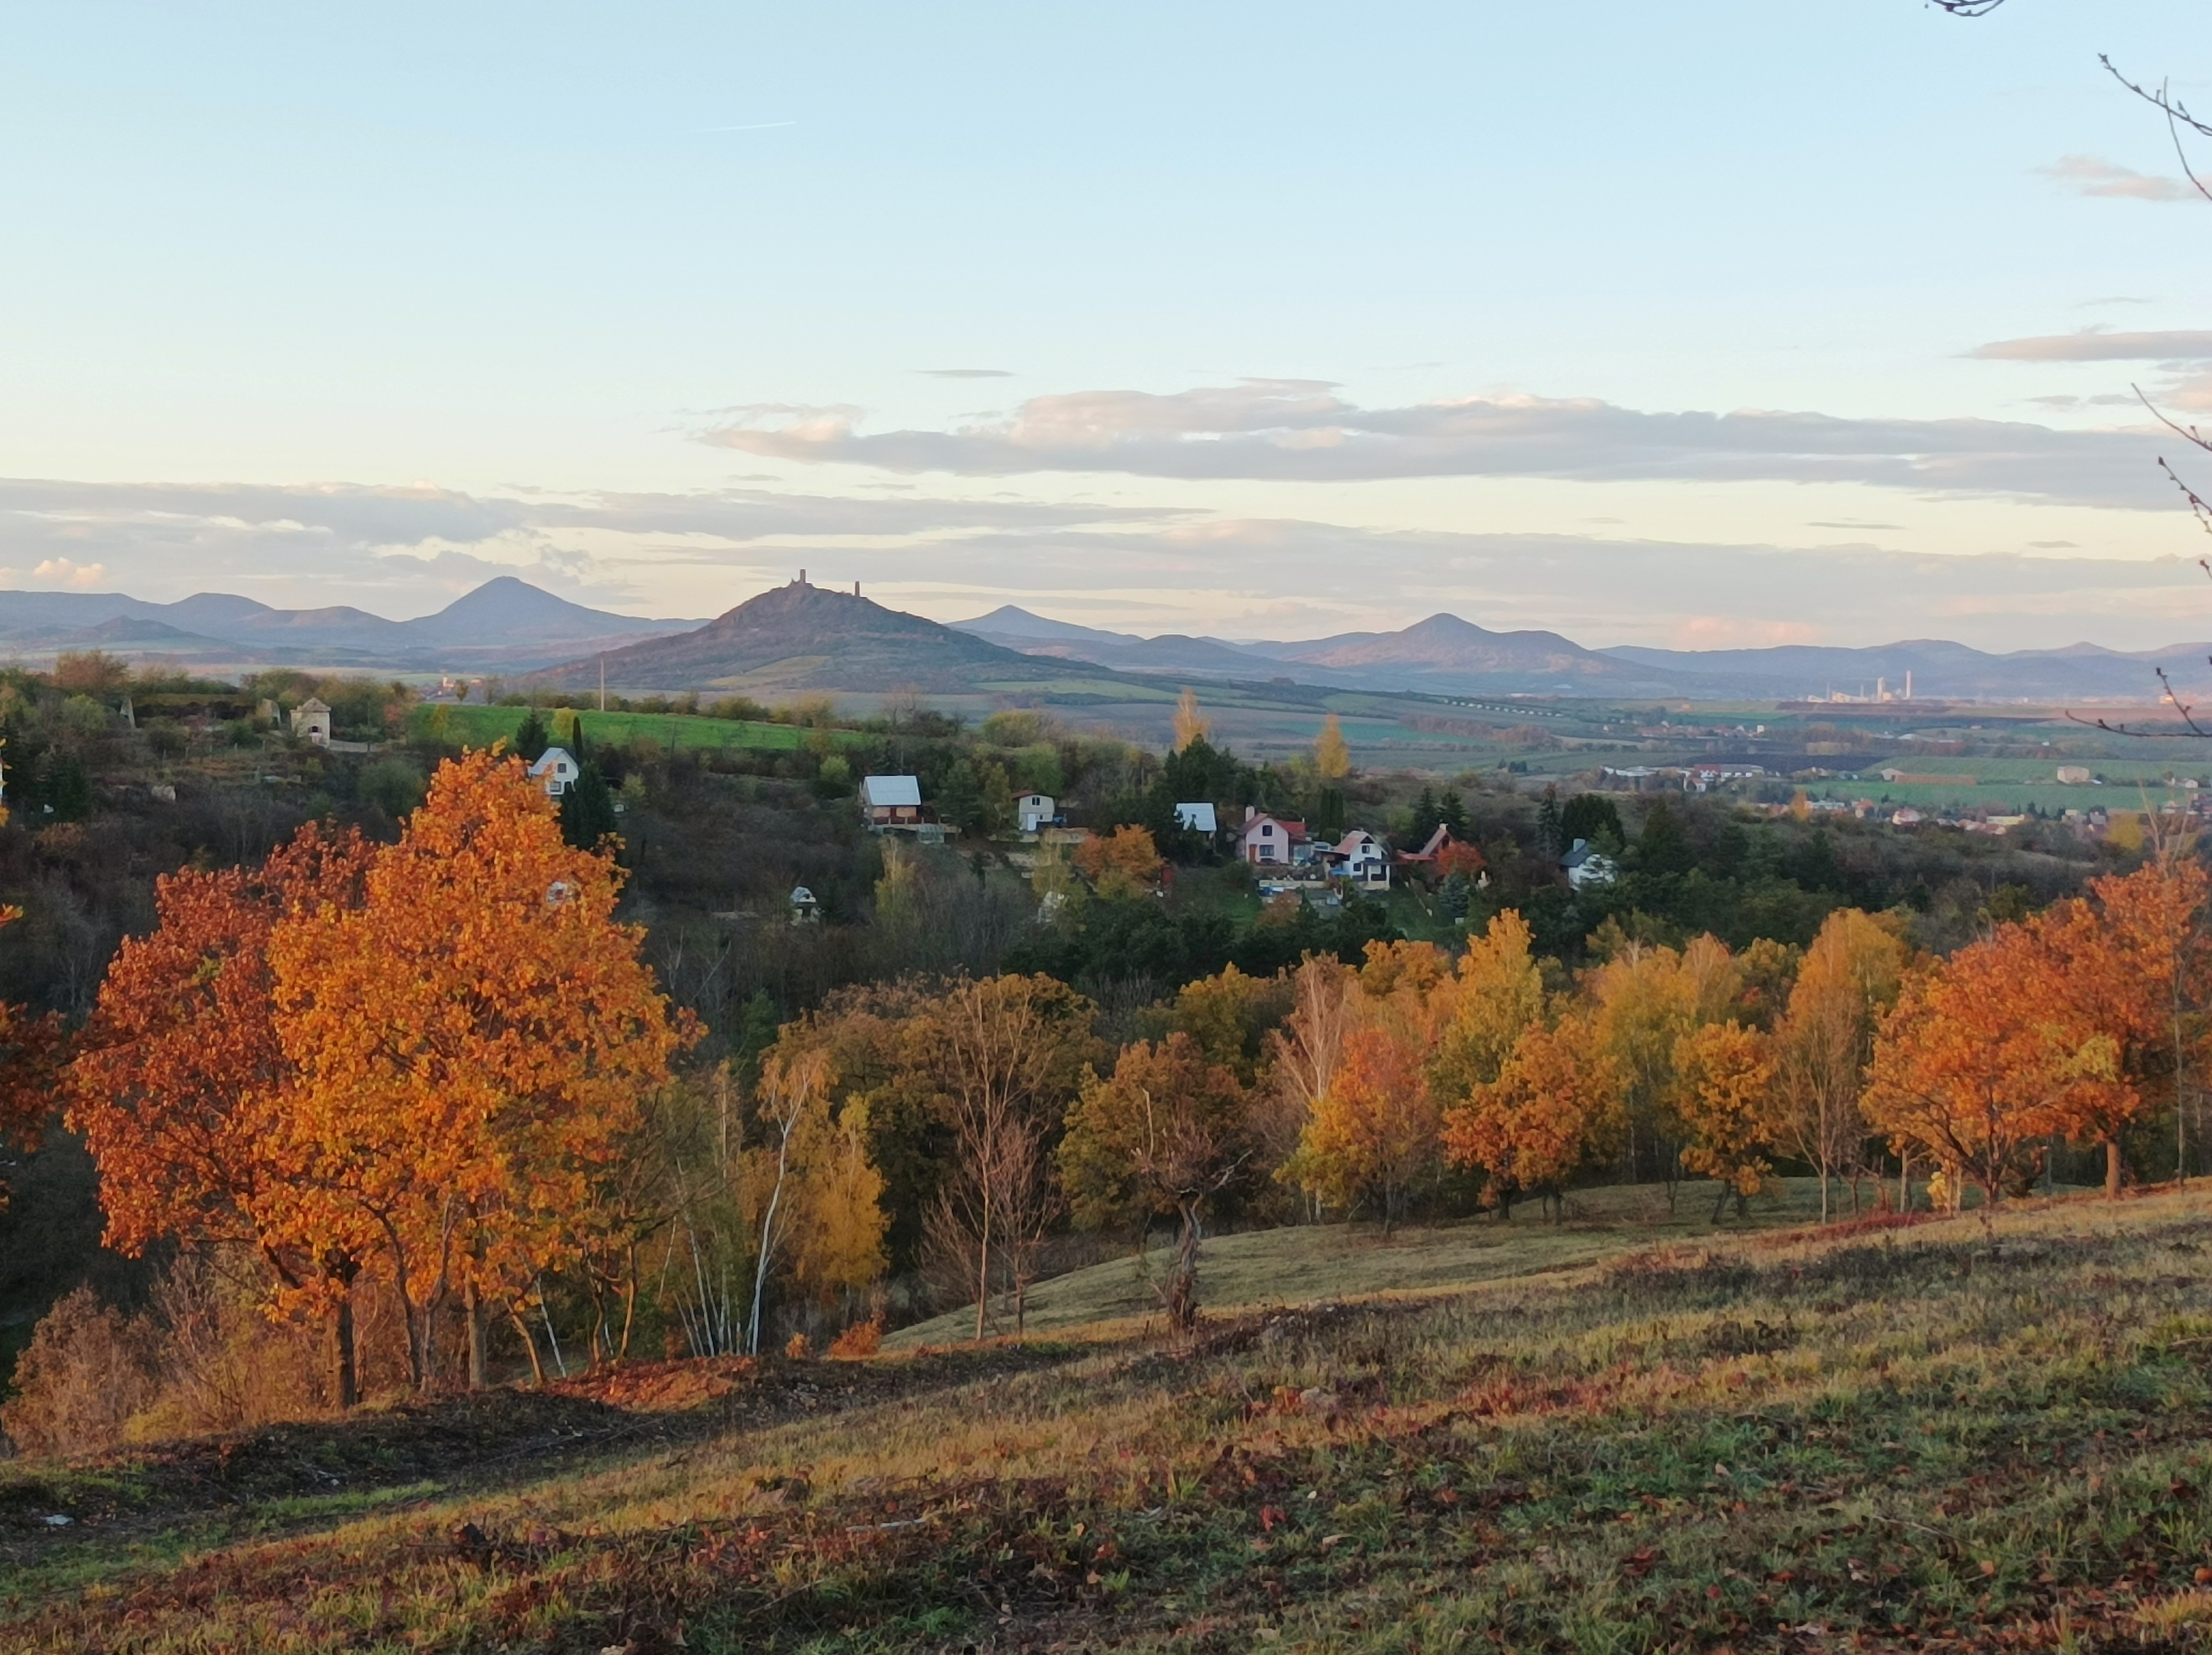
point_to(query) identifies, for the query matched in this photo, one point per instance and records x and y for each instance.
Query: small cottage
(1035, 812)
(556, 771)
(311, 720)
(891, 801)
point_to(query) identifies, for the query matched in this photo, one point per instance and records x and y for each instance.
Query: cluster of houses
(1282, 851)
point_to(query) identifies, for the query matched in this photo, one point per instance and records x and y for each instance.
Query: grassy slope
(1908, 1438)
(1267, 1268)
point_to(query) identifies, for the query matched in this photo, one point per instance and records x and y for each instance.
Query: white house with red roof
(1268, 841)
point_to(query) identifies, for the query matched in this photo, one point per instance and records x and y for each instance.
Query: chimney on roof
(856, 588)
(802, 577)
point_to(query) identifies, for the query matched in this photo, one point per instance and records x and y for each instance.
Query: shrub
(88, 1370)
(203, 1359)
(861, 1339)
(798, 1349)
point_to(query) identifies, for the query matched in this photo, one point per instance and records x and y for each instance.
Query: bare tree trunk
(345, 1378)
(630, 1303)
(983, 1272)
(2111, 1169)
(479, 1336)
(530, 1344)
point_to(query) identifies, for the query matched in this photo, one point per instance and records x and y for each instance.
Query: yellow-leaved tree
(1332, 754)
(1189, 723)
(1724, 1101)
(1372, 1138)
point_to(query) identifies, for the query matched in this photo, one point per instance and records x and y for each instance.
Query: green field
(479, 726)
(1933, 1436)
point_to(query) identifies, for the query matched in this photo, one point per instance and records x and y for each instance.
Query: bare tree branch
(2175, 109)
(1967, 8)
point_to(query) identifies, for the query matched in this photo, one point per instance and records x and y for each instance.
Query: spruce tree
(588, 808)
(1548, 843)
(530, 740)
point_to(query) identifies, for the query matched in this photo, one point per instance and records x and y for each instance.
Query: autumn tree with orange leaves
(1122, 863)
(2129, 963)
(1555, 1105)
(181, 1087)
(470, 1045)
(1976, 1060)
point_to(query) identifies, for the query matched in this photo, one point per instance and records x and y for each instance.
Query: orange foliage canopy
(181, 1084)
(1555, 1102)
(471, 1044)
(1121, 863)
(1977, 1058)
(1372, 1133)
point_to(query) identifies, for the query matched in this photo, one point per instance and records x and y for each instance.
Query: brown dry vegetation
(1894, 1435)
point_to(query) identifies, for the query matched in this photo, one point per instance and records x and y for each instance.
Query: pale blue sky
(544, 265)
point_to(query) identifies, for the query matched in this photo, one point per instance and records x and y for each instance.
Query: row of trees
(1415, 1077)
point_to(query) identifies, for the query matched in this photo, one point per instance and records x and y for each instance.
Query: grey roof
(1199, 817)
(883, 791)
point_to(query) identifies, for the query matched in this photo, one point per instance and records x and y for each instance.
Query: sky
(1717, 324)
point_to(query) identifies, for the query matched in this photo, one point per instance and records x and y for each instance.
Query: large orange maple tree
(181, 1084)
(471, 1044)
(2128, 965)
(1979, 1058)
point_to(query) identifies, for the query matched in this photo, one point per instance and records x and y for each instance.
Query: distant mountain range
(1446, 656)
(805, 638)
(505, 625)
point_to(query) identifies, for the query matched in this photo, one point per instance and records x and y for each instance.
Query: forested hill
(799, 637)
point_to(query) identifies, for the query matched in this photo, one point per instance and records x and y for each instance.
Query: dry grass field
(1926, 1436)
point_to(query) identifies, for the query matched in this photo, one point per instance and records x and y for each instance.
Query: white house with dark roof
(556, 770)
(1035, 812)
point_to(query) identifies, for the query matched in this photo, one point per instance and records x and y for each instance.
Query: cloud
(2089, 175)
(966, 372)
(2098, 344)
(1731, 632)
(78, 577)
(401, 551)
(1302, 430)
